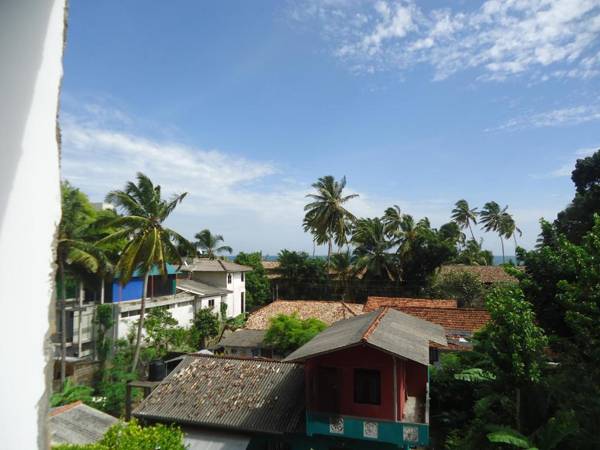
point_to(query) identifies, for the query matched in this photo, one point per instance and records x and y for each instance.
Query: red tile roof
(327, 311)
(397, 302)
(487, 274)
(452, 319)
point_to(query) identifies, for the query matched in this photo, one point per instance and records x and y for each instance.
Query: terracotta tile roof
(487, 274)
(327, 311)
(401, 302)
(453, 320)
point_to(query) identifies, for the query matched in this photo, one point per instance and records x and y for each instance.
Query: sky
(419, 104)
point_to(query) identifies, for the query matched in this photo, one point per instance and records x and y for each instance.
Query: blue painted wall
(131, 291)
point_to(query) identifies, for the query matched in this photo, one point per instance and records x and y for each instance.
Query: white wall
(31, 46)
(234, 300)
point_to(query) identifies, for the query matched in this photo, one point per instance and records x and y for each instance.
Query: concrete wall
(31, 47)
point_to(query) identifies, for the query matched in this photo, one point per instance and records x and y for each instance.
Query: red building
(367, 378)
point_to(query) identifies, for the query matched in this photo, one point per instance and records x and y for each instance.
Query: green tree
(493, 219)
(149, 243)
(465, 287)
(287, 333)
(210, 244)
(578, 217)
(344, 270)
(75, 250)
(206, 326)
(326, 217)
(132, 436)
(372, 250)
(464, 216)
(163, 333)
(301, 276)
(258, 288)
(114, 378)
(472, 254)
(103, 321)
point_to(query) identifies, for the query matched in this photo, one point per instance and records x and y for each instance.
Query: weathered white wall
(31, 46)
(234, 300)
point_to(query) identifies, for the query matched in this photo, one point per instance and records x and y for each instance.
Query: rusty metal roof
(244, 338)
(244, 394)
(386, 329)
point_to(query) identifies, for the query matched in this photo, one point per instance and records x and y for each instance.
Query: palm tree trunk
(314, 247)
(502, 243)
(471, 230)
(102, 293)
(329, 245)
(79, 317)
(138, 339)
(63, 323)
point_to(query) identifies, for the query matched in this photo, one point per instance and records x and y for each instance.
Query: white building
(202, 274)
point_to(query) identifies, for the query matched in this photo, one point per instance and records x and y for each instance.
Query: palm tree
(75, 251)
(493, 219)
(392, 219)
(344, 270)
(326, 218)
(372, 249)
(149, 243)
(463, 215)
(209, 243)
(510, 228)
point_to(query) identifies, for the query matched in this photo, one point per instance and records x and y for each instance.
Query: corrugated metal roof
(387, 329)
(195, 439)
(78, 423)
(214, 265)
(201, 289)
(243, 394)
(244, 338)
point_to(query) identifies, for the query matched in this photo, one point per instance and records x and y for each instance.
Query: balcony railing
(401, 434)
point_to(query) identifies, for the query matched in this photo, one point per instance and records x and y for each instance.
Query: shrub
(71, 393)
(287, 333)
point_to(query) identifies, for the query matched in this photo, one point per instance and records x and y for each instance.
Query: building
(78, 424)
(360, 384)
(459, 323)
(222, 274)
(249, 340)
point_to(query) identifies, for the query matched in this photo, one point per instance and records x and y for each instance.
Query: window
(242, 276)
(228, 278)
(367, 386)
(242, 302)
(211, 303)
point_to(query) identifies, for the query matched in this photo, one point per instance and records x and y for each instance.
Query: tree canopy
(287, 333)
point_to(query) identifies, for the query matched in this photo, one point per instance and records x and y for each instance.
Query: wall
(411, 381)
(234, 301)
(31, 47)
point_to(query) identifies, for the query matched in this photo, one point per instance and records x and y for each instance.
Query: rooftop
(214, 265)
(326, 311)
(78, 423)
(487, 274)
(198, 288)
(386, 329)
(244, 338)
(374, 303)
(249, 395)
(453, 320)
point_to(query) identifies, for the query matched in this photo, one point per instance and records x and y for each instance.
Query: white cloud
(573, 115)
(502, 38)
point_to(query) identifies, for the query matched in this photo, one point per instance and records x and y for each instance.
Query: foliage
(209, 244)
(372, 249)
(206, 326)
(149, 242)
(302, 277)
(326, 218)
(287, 333)
(463, 286)
(114, 379)
(471, 253)
(103, 321)
(258, 289)
(163, 333)
(578, 218)
(464, 216)
(71, 393)
(132, 436)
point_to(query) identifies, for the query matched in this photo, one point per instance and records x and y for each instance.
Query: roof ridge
(243, 358)
(65, 408)
(382, 312)
(347, 307)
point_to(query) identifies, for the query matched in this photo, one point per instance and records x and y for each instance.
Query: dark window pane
(367, 386)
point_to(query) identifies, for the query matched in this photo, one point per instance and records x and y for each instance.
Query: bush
(132, 436)
(71, 393)
(287, 333)
(465, 287)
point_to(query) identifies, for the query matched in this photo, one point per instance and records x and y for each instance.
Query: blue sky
(245, 104)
